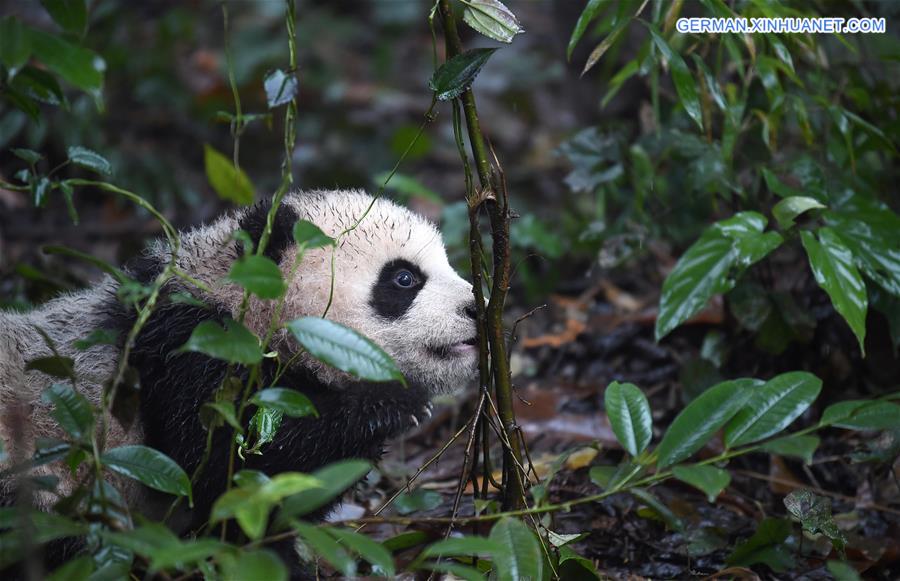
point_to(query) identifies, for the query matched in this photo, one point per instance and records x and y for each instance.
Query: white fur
(385, 233)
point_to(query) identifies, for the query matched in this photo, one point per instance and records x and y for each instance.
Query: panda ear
(253, 221)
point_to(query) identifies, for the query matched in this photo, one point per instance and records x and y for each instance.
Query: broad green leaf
(417, 500)
(695, 425)
(78, 569)
(781, 189)
(833, 267)
(71, 410)
(310, 236)
(212, 414)
(97, 337)
(408, 186)
(765, 546)
(242, 504)
(842, 571)
(657, 509)
(787, 210)
(149, 467)
(77, 65)
(39, 85)
(465, 546)
(372, 551)
(265, 423)
(30, 156)
(741, 225)
(229, 182)
(873, 236)
(280, 88)
(185, 553)
(685, 85)
(326, 547)
(492, 19)
(235, 343)
(259, 275)
(629, 416)
(345, 349)
(814, 514)
(288, 401)
(457, 74)
(71, 15)
(841, 410)
(255, 564)
(709, 479)
(772, 407)
(15, 44)
(587, 15)
(871, 415)
(522, 558)
(335, 478)
(52, 365)
(406, 540)
(88, 159)
(802, 446)
(701, 272)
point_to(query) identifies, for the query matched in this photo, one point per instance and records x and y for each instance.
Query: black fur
(253, 221)
(390, 300)
(354, 420)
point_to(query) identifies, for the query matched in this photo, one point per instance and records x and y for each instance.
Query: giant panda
(392, 283)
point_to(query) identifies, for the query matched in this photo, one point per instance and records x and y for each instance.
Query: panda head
(392, 283)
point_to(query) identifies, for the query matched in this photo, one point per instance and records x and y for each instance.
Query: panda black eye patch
(397, 286)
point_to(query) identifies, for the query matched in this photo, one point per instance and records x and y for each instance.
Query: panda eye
(404, 279)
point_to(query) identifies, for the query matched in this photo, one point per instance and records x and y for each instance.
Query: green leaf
(310, 236)
(78, 569)
(629, 416)
(345, 349)
(801, 446)
(492, 19)
(281, 88)
(457, 74)
(697, 422)
(868, 415)
(71, 15)
(709, 479)
(681, 76)
(522, 558)
(184, 554)
(30, 156)
(250, 505)
(765, 546)
(15, 44)
(657, 509)
(814, 514)
(772, 407)
(97, 337)
(418, 500)
(77, 65)
(229, 182)
(326, 547)
(53, 365)
(842, 571)
(587, 15)
(256, 564)
(288, 401)
(235, 343)
(787, 210)
(335, 478)
(465, 546)
(149, 467)
(258, 275)
(266, 422)
(873, 236)
(833, 267)
(71, 410)
(213, 413)
(88, 159)
(370, 550)
(605, 44)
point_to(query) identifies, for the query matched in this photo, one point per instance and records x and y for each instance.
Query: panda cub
(392, 283)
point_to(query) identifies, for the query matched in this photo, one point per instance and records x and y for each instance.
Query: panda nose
(470, 310)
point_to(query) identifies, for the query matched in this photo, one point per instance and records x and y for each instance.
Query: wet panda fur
(392, 283)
